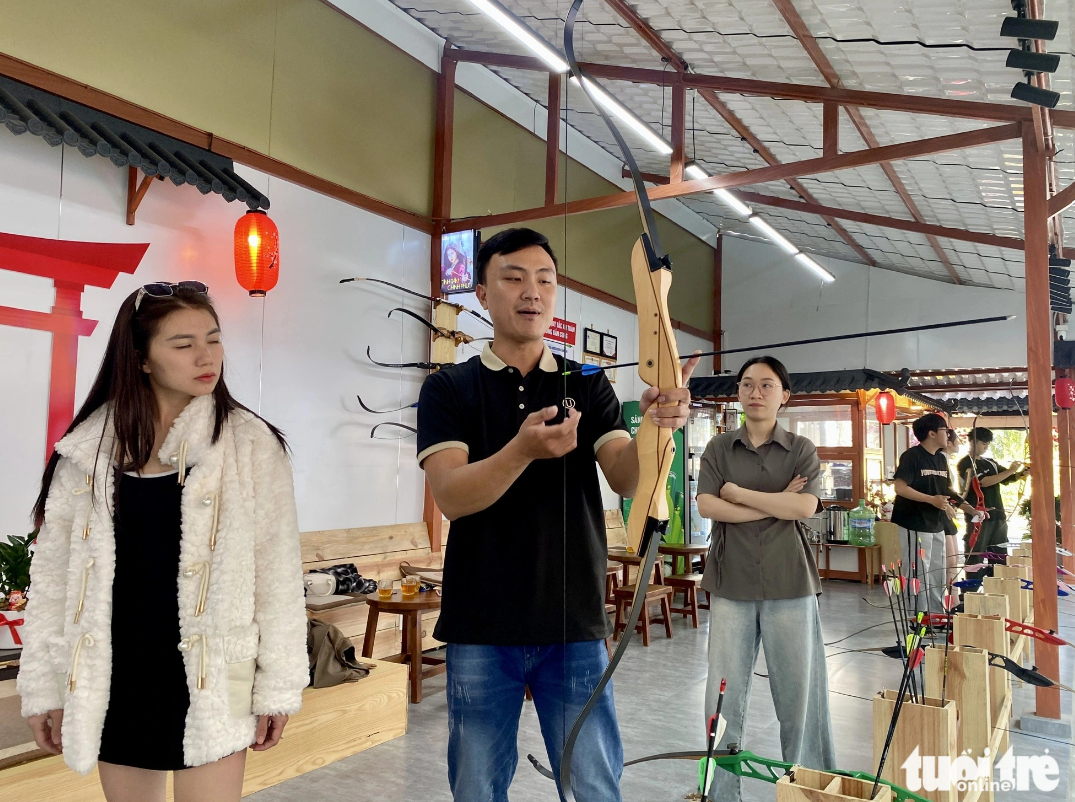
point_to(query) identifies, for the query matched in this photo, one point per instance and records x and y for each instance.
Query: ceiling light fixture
(694, 170)
(517, 28)
(626, 116)
(1030, 61)
(805, 260)
(773, 234)
(1029, 93)
(1022, 28)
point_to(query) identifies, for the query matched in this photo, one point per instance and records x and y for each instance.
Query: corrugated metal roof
(935, 48)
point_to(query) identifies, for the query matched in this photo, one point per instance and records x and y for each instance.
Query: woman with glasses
(756, 483)
(166, 629)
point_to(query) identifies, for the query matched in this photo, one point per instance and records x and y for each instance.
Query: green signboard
(675, 488)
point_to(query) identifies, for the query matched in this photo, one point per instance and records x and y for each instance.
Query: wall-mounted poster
(591, 341)
(609, 346)
(458, 250)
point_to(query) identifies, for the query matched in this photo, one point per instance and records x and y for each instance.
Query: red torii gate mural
(72, 266)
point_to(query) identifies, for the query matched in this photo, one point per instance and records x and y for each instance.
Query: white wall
(768, 297)
(302, 374)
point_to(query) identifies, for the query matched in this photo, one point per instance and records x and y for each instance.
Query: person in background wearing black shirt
(954, 555)
(923, 487)
(524, 572)
(991, 476)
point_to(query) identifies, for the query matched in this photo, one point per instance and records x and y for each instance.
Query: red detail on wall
(71, 266)
(562, 331)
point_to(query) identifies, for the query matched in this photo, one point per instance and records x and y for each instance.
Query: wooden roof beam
(779, 172)
(828, 72)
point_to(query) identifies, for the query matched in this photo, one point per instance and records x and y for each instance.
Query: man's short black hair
(508, 241)
(928, 424)
(981, 434)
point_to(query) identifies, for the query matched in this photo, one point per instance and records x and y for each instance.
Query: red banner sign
(562, 331)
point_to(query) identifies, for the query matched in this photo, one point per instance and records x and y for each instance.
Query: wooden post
(718, 285)
(679, 131)
(1039, 343)
(831, 129)
(1067, 503)
(552, 141)
(442, 212)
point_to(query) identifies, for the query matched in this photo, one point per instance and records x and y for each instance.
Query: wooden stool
(654, 593)
(410, 608)
(687, 553)
(612, 581)
(688, 585)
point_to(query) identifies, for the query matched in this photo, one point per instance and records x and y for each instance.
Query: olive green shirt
(769, 558)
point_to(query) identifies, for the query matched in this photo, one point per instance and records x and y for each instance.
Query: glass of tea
(384, 589)
(409, 585)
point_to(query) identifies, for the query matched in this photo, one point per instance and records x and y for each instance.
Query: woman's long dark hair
(124, 386)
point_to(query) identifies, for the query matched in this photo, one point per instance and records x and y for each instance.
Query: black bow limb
(404, 426)
(362, 404)
(420, 365)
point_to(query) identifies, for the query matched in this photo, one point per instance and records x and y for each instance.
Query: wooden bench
(376, 552)
(334, 722)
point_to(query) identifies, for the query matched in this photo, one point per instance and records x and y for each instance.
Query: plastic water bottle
(860, 525)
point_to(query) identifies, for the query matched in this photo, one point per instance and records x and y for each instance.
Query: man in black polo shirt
(923, 490)
(991, 475)
(524, 569)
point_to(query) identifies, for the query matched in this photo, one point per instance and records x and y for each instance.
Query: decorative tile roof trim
(59, 121)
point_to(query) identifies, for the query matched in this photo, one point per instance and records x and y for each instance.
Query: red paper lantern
(884, 407)
(1064, 392)
(257, 253)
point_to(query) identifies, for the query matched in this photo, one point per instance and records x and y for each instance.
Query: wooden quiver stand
(808, 785)
(927, 726)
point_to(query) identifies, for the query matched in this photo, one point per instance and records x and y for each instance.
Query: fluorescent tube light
(810, 263)
(517, 28)
(694, 171)
(730, 199)
(626, 116)
(773, 234)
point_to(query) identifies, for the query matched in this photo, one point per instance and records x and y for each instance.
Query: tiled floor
(659, 694)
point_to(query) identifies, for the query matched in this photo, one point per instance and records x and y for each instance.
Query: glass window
(873, 434)
(836, 481)
(825, 426)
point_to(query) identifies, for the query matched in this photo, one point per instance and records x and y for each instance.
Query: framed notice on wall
(609, 346)
(591, 341)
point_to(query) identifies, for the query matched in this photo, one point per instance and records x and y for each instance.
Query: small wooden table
(411, 608)
(619, 555)
(868, 558)
(685, 552)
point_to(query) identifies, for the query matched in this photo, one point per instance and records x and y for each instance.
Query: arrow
(589, 370)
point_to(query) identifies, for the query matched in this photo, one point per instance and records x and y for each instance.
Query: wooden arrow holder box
(808, 785)
(927, 726)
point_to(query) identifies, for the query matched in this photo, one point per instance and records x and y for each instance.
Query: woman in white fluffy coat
(159, 407)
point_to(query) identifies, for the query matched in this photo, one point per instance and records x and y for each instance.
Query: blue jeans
(486, 685)
(790, 631)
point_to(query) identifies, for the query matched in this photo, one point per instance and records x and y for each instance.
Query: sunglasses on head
(162, 289)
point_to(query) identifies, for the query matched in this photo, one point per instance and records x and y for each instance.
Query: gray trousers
(790, 631)
(928, 549)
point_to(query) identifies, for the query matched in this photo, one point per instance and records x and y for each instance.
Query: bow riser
(658, 366)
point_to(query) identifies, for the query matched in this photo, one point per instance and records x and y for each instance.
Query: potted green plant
(1024, 510)
(15, 557)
